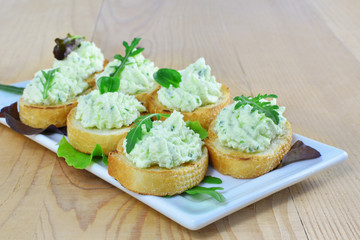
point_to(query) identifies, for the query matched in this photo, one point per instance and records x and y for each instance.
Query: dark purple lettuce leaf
(11, 115)
(66, 45)
(299, 151)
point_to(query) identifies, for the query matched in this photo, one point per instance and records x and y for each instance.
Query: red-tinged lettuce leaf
(77, 159)
(66, 45)
(11, 115)
(299, 151)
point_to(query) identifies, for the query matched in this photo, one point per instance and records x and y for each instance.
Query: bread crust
(41, 116)
(155, 180)
(85, 139)
(144, 97)
(205, 115)
(247, 165)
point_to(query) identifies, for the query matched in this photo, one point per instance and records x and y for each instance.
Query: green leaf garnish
(66, 45)
(77, 159)
(197, 128)
(262, 107)
(12, 89)
(48, 83)
(135, 134)
(211, 179)
(209, 191)
(111, 83)
(166, 77)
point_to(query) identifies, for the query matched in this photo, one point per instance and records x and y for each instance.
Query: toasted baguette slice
(247, 165)
(204, 114)
(85, 139)
(144, 97)
(155, 180)
(41, 116)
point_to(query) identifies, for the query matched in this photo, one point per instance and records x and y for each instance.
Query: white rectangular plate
(197, 212)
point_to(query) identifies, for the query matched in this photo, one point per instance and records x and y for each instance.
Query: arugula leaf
(166, 77)
(111, 83)
(197, 128)
(77, 159)
(66, 45)
(261, 107)
(48, 83)
(209, 191)
(135, 133)
(211, 179)
(12, 89)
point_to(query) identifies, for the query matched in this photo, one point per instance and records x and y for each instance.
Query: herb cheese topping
(246, 130)
(197, 88)
(168, 144)
(69, 77)
(86, 60)
(107, 111)
(137, 76)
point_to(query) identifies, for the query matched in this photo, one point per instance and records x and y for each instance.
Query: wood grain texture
(28, 30)
(307, 52)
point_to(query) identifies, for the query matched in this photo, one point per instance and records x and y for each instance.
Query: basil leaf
(166, 77)
(77, 159)
(12, 89)
(108, 84)
(197, 128)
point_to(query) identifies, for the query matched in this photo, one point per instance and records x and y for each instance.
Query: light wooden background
(307, 52)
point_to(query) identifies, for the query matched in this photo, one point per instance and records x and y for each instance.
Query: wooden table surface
(307, 52)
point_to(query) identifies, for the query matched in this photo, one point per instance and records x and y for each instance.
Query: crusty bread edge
(205, 115)
(85, 139)
(144, 97)
(41, 116)
(155, 180)
(247, 165)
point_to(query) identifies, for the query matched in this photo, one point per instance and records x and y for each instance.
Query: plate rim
(195, 222)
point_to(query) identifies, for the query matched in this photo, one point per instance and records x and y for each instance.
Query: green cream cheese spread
(137, 76)
(69, 78)
(247, 131)
(168, 144)
(197, 88)
(107, 111)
